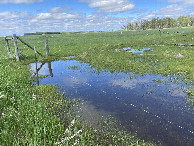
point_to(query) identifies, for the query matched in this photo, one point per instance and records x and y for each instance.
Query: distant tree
(183, 21)
(144, 24)
(130, 26)
(153, 23)
(159, 23)
(136, 25)
(191, 21)
(124, 27)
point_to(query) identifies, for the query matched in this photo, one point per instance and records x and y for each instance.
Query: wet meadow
(133, 73)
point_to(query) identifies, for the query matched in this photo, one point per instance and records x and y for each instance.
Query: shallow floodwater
(153, 109)
(137, 51)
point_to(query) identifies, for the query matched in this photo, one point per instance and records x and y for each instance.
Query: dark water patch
(146, 105)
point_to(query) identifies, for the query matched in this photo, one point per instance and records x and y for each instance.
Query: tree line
(159, 23)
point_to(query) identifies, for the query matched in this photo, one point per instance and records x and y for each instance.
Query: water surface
(154, 110)
(137, 51)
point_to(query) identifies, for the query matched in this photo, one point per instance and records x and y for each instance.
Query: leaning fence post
(47, 48)
(7, 44)
(16, 48)
(35, 52)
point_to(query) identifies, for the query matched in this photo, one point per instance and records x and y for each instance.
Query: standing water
(152, 106)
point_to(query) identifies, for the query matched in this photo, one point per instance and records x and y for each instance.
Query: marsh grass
(74, 67)
(190, 93)
(32, 115)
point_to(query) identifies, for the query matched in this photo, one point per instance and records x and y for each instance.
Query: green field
(31, 115)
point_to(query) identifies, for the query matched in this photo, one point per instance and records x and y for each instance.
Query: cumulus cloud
(23, 22)
(54, 16)
(173, 11)
(127, 83)
(110, 6)
(139, 11)
(11, 15)
(19, 1)
(59, 9)
(185, 2)
(192, 13)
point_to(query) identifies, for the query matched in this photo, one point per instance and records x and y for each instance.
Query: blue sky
(22, 16)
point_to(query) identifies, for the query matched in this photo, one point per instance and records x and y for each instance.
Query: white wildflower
(3, 115)
(34, 96)
(69, 138)
(76, 142)
(1, 96)
(12, 98)
(63, 140)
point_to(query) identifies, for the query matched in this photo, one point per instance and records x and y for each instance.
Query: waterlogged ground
(153, 106)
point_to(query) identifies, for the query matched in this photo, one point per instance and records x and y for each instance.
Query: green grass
(32, 115)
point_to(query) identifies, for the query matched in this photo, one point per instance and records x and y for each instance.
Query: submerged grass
(32, 115)
(73, 67)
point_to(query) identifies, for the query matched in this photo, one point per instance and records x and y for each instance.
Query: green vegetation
(74, 67)
(191, 96)
(32, 115)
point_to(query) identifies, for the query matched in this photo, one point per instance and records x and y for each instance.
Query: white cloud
(192, 13)
(19, 1)
(148, 16)
(23, 22)
(110, 6)
(173, 11)
(11, 15)
(58, 9)
(184, 2)
(127, 83)
(74, 81)
(139, 11)
(54, 16)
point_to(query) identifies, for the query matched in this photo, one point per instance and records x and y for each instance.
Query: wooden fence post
(16, 48)
(7, 44)
(37, 79)
(47, 48)
(35, 52)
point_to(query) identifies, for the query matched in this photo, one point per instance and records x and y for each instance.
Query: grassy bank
(42, 116)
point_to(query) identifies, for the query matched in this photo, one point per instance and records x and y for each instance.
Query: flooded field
(137, 51)
(153, 106)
